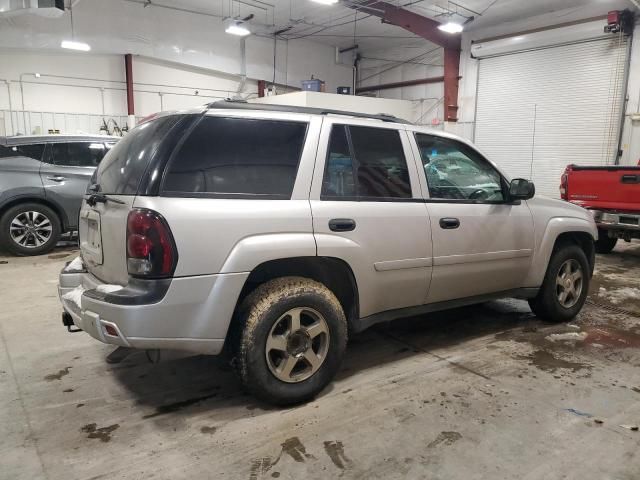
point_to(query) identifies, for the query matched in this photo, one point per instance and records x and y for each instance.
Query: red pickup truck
(612, 193)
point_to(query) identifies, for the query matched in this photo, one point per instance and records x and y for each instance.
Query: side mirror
(521, 189)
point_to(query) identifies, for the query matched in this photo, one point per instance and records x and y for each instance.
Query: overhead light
(326, 2)
(238, 29)
(73, 45)
(451, 27)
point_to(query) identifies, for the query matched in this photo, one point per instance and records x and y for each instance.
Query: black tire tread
(9, 245)
(605, 244)
(545, 305)
(253, 311)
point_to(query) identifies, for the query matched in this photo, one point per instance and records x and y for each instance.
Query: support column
(128, 72)
(451, 83)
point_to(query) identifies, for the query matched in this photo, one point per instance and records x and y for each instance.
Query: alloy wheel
(569, 283)
(31, 229)
(297, 345)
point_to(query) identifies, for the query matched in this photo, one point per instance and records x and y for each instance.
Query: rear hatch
(130, 166)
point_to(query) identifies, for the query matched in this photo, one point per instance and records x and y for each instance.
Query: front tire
(293, 338)
(605, 243)
(29, 229)
(565, 286)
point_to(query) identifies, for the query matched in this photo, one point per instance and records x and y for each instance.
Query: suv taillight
(563, 186)
(151, 251)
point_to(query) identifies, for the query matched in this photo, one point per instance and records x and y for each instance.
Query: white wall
(427, 99)
(175, 53)
(402, 109)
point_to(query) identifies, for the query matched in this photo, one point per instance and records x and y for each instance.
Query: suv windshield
(124, 165)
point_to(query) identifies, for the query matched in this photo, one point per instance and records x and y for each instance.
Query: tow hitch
(67, 321)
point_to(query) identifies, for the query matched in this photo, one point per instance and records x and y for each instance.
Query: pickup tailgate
(605, 188)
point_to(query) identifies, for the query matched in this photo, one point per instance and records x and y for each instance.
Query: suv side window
(366, 163)
(236, 157)
(455, 171)
(78, 154)
(34, 151)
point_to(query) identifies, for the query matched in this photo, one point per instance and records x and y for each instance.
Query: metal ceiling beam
(406, 83)
(427, 29)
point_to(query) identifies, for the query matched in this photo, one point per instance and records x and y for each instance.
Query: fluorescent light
(72, 45)
(326, 2)
(451, 27)
(235, 29)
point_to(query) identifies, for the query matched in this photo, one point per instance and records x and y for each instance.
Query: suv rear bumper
(186, 313)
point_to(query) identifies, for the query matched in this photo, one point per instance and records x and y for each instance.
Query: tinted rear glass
(238, 156)
(123, 166)
(78, 154)
(32, 151)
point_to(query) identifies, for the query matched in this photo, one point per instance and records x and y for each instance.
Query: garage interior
(482, 391)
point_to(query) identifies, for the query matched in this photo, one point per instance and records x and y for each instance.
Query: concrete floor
(480, 392)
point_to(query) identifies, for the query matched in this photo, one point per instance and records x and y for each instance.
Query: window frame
(52, 156)
(162, 192)
(408, 157)
(504, 182)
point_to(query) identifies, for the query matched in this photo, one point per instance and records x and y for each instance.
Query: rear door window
(78, 154)
(237, 158)
(34, 151)
(366, 163)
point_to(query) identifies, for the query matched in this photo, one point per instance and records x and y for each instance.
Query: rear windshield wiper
(95, 198)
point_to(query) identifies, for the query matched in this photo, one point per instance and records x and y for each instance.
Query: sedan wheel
(31, 229)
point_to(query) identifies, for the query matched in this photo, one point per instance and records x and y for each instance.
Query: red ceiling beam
(406, 83)
(427, 29)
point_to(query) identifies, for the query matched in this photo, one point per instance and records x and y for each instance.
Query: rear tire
(29, 229)
(292, 340)
(605, 243)
(565, 286)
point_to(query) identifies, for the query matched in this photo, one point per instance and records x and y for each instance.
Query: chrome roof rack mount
(244, 105)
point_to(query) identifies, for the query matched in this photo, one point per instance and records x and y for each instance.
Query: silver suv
(42, 182)
(276, 232)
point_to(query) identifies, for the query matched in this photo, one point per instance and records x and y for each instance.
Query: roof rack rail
(244, 105)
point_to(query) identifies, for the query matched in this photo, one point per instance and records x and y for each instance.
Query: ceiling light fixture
(237, 29)
(326, 2)
(72, 44)
(451, 27)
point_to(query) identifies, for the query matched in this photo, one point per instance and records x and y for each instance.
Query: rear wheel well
(332, 272)
(20, 200)
(583, 240)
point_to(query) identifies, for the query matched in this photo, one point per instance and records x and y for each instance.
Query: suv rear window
(124, 165)
(236, 157)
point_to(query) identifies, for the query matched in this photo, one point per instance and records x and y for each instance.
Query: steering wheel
(479, 194)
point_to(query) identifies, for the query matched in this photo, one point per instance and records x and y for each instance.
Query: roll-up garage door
(541, 110)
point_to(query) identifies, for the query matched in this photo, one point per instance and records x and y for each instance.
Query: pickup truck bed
(612, 193)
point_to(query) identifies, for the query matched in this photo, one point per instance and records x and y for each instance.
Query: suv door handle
(342, 225)
(57, 178)
(449, 223)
